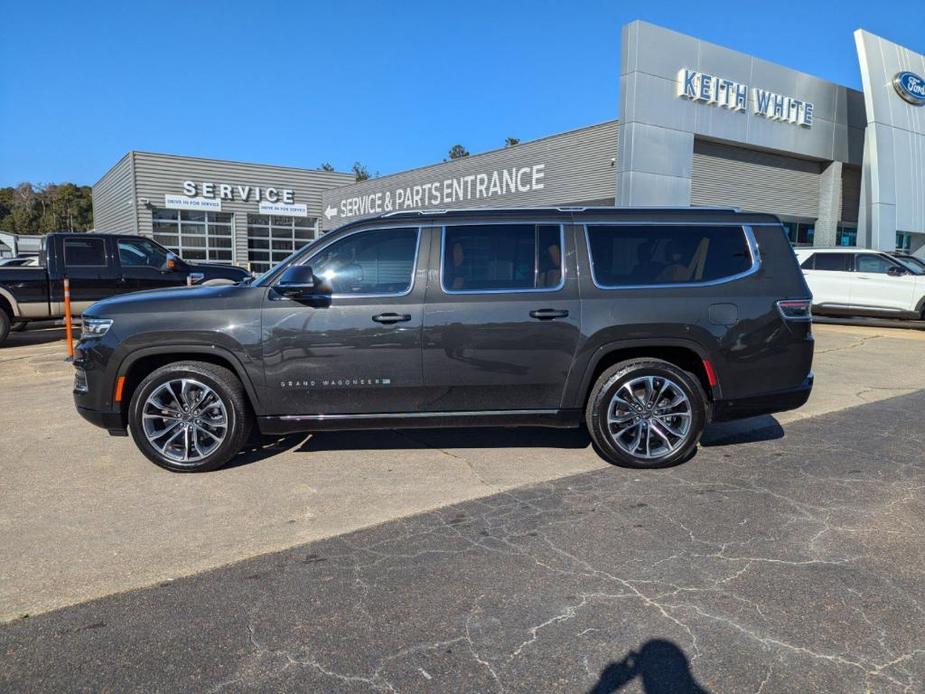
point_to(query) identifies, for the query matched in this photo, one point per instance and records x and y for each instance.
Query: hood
(210, 298)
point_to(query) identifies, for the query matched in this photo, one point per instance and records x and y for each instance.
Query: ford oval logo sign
(910, 87)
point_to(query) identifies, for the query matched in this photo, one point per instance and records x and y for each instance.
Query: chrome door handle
(548, 313)
(388, 318)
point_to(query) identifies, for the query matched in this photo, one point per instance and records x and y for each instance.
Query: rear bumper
(767, 403)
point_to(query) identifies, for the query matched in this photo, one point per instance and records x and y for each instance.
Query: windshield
(911, 265)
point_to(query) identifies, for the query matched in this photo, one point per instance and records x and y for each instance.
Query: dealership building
(699, 124)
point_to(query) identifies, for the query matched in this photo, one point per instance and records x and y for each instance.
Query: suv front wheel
(190, 416)
(646, 413)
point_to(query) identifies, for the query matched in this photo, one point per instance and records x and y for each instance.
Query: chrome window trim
(414, 265)
(535, 290)
(753, 250)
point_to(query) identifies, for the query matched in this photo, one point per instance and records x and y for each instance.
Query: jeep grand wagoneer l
(642, 324)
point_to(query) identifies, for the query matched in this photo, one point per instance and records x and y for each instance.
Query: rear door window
(626, 256)
(832, 262)
(84, 252)
(502, 257)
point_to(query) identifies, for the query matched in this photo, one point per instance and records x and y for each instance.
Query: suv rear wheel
(646, 413)
(190, 416)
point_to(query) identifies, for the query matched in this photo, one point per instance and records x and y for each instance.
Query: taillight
(796, 309)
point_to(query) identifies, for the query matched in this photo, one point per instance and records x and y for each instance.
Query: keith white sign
(226, 191)
(282, 209)
(443, 193)
(179, 202)
(718, 91)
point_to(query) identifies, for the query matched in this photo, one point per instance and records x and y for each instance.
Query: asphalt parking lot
(786, 554)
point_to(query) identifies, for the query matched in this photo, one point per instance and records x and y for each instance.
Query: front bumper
(110, 421)
(766, 403)
(93, 387)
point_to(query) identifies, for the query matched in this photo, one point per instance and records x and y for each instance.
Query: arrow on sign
(331, 211)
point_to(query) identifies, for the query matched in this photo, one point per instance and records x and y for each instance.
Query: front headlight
(95, 327)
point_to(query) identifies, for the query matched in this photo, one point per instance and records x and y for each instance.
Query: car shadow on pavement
(261, 447)
(751, 430)
(528, 437)
(40, 336)
(661, 667)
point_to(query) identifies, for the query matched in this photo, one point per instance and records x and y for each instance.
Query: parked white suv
(863, 282)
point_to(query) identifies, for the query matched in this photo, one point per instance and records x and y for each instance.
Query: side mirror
(298, 281)
(895, 271)
(173, 263)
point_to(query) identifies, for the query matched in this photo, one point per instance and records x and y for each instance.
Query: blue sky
(391, 84)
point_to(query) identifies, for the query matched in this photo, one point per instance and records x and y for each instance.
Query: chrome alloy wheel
(649, 417)
(185, 420)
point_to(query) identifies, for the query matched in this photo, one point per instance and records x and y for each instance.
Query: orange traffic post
(69, 331)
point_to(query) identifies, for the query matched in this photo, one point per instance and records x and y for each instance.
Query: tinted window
(86, 252)
(369, 262)
(631, 255)
(493, 257)
(833, 262)
(910, 264)
(135, 252)
(872, 263)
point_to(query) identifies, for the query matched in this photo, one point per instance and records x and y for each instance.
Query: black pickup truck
(98, 266)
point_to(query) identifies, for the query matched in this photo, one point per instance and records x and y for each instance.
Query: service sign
(184, 202)
(910, 87)
(731, 95)
(442, 193)
(282, 209)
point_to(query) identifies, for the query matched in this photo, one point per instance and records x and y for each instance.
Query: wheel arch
(8, 304)
(686, 354)
(137, 365)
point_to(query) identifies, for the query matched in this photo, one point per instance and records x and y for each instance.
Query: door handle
(389, 318)
(548, 314)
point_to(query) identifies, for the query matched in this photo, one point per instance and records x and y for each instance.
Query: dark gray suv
(642, 324)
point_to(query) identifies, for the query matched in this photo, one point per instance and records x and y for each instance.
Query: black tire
(4, 326)
(228, 389)
(18, 327)
(621, 374)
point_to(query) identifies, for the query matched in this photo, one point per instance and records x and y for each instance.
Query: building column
(654, 166)
(239, 230)
(830, 200)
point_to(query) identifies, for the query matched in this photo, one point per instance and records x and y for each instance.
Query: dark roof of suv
(575, 214)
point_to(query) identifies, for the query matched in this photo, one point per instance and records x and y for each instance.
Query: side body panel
(324, 358)
(484, 350)
(757, 352)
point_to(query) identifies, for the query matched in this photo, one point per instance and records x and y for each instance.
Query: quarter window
(369, 262)
(84, 253)
(646, 255)
(502, 257)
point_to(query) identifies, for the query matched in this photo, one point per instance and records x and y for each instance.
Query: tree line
(40, 208)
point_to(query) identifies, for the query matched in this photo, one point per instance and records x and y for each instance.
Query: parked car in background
(21, 261)
(642, 324)
(848, 281)
(97, 266)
